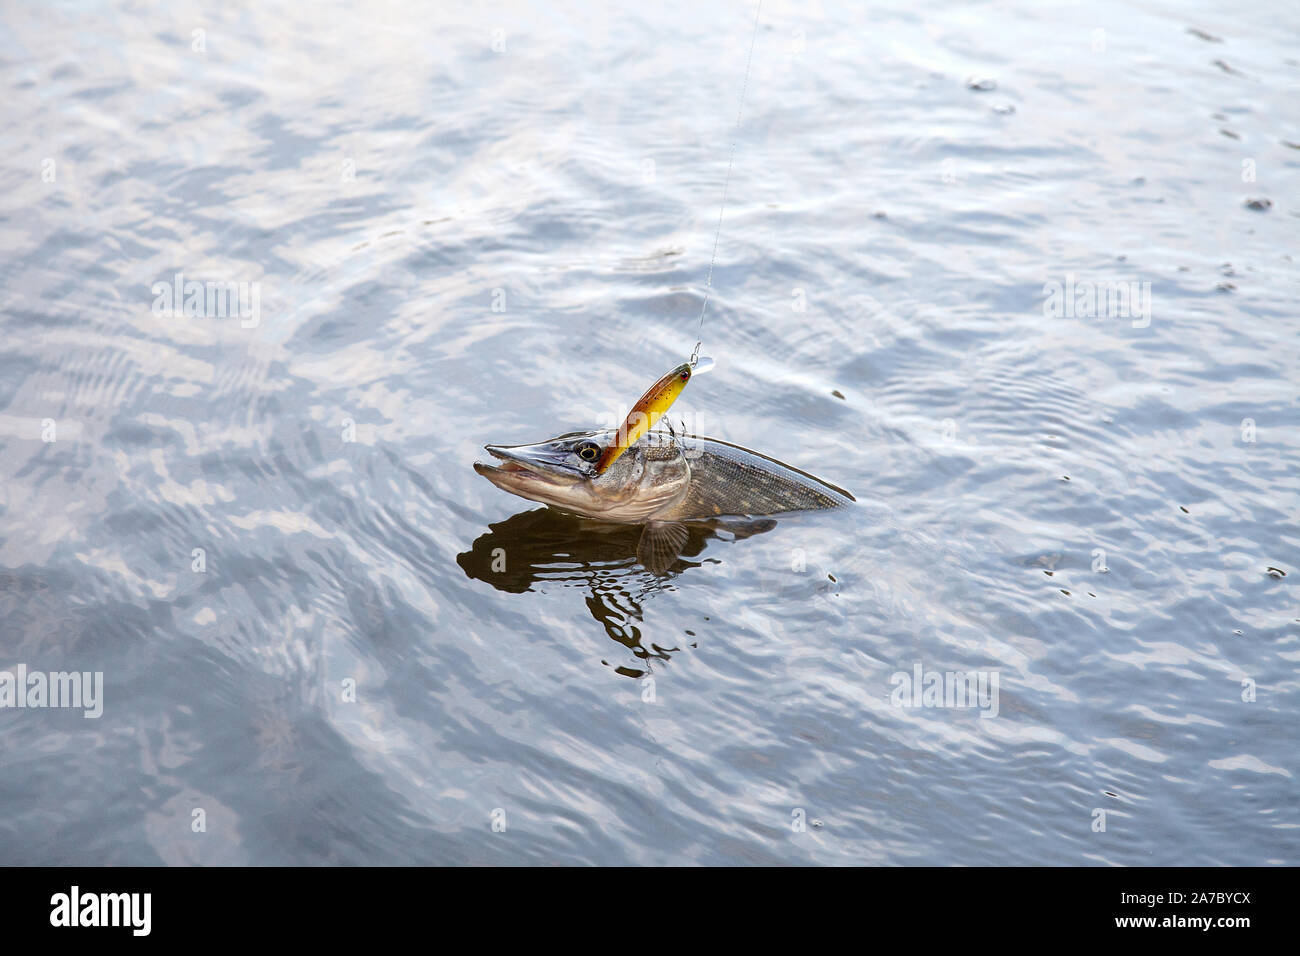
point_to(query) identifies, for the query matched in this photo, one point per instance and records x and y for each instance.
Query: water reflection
(536, 549)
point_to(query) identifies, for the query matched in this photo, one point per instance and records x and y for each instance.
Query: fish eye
(588, 451)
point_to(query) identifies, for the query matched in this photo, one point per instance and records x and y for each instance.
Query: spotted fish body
(727, 479)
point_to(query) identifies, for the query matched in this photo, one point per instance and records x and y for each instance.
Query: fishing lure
(648, 409)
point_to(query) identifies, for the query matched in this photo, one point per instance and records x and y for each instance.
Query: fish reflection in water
(543, 547)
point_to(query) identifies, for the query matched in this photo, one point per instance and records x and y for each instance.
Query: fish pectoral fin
(661, 543)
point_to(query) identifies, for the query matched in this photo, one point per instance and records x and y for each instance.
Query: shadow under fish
(544, 548)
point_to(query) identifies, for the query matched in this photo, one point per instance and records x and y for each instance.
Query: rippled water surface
(492, 223)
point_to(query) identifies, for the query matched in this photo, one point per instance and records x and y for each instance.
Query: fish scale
(727, 479)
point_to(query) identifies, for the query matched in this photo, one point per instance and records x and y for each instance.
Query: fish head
(561, 472)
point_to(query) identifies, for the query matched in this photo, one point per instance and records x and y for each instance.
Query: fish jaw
(531, 472)
(553, 460)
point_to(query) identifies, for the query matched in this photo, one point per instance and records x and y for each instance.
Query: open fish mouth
(508, 468)
(525, 466)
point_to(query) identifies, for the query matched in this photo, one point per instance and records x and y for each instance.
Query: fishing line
(708, 285)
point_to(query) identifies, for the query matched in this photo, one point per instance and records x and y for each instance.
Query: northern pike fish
(660, 481)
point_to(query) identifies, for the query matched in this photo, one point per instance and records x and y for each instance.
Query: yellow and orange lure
(648, 410)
